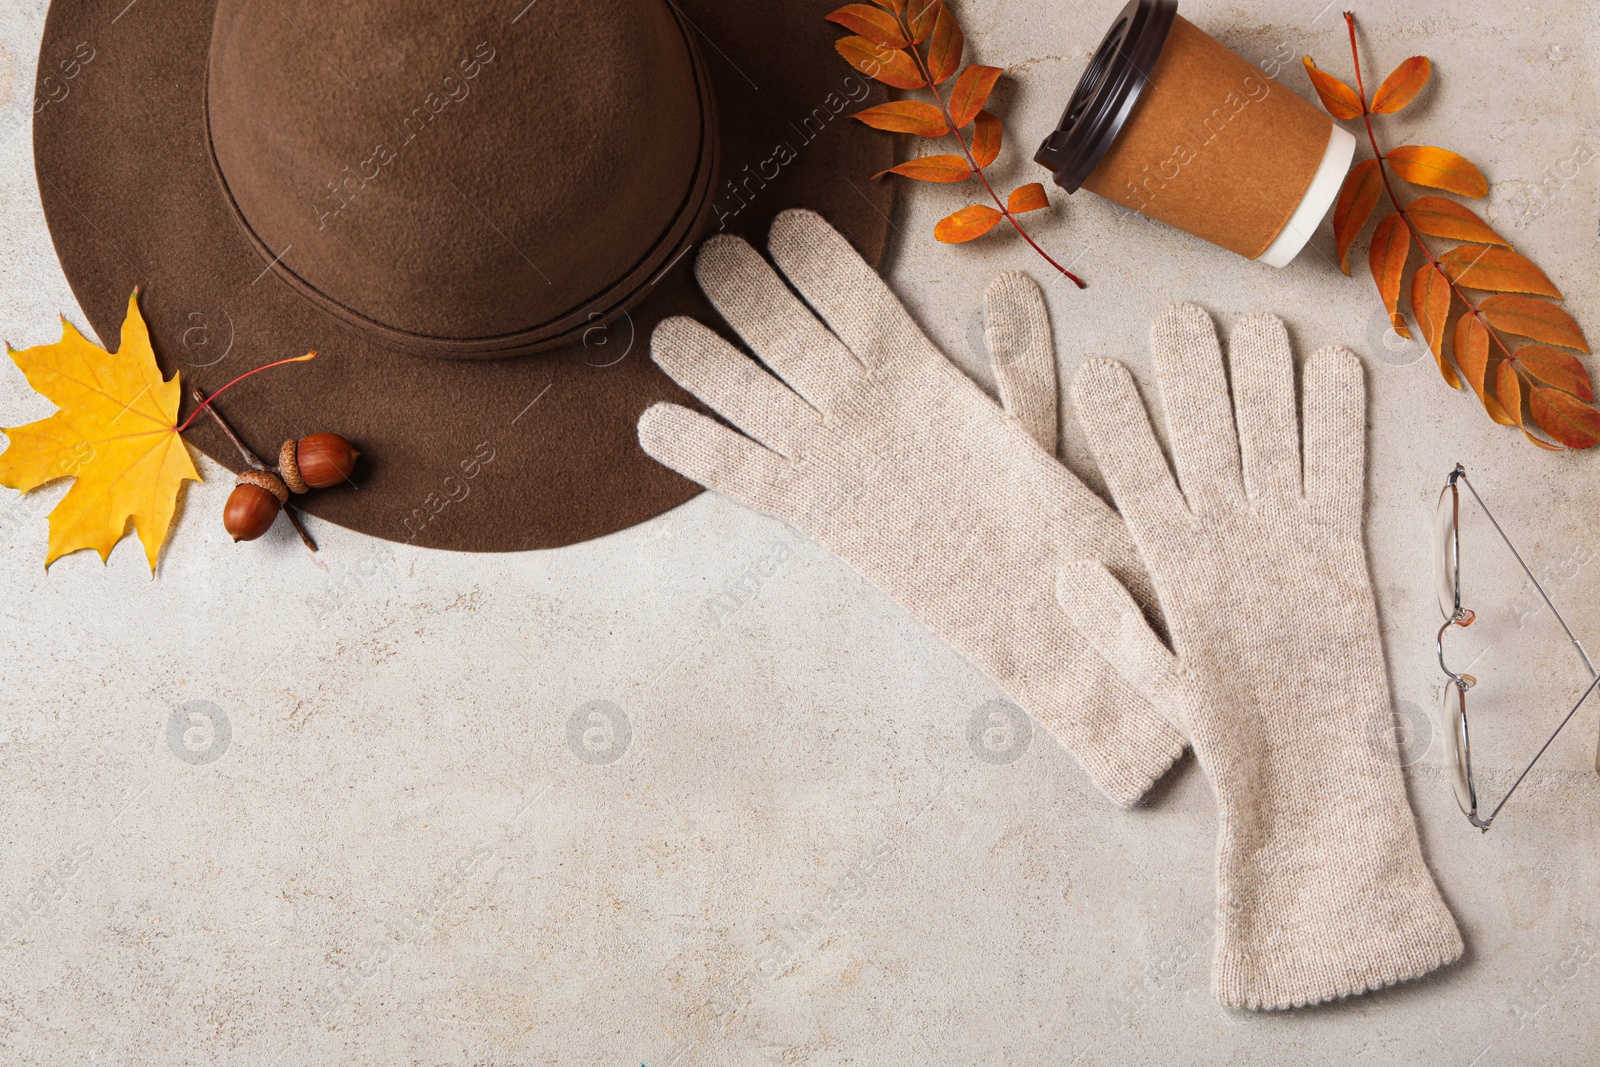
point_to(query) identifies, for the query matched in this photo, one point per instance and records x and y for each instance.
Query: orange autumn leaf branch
(918, 44)
(1551, 385)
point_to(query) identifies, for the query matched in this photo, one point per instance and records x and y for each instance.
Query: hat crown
(463, 179)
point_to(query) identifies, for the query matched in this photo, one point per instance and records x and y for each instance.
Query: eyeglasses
(1447, 557)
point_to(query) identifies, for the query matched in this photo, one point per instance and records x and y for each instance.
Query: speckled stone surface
(697, 794)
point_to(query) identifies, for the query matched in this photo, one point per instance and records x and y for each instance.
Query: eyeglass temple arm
(1461, 475)
(1484, 824)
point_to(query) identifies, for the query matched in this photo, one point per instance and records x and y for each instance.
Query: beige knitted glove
(1278, 677)
(874, 444)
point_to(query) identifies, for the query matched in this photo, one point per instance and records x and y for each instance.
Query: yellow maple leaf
(116, 433)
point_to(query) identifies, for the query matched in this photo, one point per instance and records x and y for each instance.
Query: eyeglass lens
(1446, 554)
(1457, 752)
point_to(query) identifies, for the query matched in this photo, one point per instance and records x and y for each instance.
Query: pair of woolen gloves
(851, 425)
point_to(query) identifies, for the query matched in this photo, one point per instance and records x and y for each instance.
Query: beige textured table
(695, 793)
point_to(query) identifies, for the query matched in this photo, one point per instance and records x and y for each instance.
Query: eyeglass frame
(1449, 555)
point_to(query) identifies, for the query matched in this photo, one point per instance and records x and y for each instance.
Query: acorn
(254, 504)
(319, 461)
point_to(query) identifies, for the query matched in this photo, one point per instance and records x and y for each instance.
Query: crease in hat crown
(460, 181)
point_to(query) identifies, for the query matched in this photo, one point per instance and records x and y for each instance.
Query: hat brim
(500, 455)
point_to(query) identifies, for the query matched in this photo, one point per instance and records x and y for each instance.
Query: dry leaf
(1030, 197)
(1401, 86)
(1530, 317)
(1559, 392)
(905, 116)
(876, 25)
(1508, 388)
(1498, 270)
(1391, 244)
(932, 45)
(1554, 367)
(1438, 217)
(115, 433)
(971, 91)
(892, 66)
(1357, 197)
(945, 45)
(940, 168)
(1430, 302)
(1564, 417)
(1438, 168)
(1472, 354)
(1340, 100)
(1508, 391)
(986, 139)
(921, 15)
(966, 224)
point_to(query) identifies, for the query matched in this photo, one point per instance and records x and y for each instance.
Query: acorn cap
(266, 480)
(289, 467)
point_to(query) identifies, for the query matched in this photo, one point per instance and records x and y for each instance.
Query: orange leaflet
(1438, 217)
(892, 66)
(971, 91)
(896, 6)
(1357, 197)
(985, 139)
(1340, 100)
(945, 46)
(1554, 367)
(1472, 354)
(1430, 302)
(966, 224)
(1030, 197)
(921, 16)
(1391, 244)
(1498, 270)
(1438, 168)
(1530, 317)
(1508, 387)
(1402, 85)
(876, 25)
(941, 168)
(905, 116)
(1564, 417)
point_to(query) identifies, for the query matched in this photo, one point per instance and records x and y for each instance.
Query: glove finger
(1118, 430)
(847, 293)
(1263, 395)
(1101, 609)
(705, 451)
(779, 329)
(1336, 425)
(733, 385)
(1017, 327)
(1194, 391)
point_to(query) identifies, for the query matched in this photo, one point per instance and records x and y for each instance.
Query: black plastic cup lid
(1107, 92)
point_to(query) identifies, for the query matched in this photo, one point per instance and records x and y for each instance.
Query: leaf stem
(950, 120)
(293, 515)
(192, 415)
(227, 430)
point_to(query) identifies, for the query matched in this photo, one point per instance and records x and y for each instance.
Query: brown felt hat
(476, 212)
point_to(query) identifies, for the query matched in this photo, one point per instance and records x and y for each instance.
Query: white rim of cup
(1314, 205)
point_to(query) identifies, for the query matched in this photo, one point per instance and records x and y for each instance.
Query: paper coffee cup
(1172, 124)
